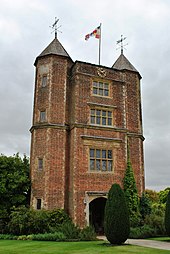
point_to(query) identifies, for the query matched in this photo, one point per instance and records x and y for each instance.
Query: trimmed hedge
(116, 219)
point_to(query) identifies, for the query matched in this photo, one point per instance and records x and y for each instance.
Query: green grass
(164, 239)
(98, 247)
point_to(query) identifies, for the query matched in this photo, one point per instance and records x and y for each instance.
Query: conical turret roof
(122, 63)
(55, 48)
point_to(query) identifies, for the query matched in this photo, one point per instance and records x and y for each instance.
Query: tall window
(42, 116)
(40, 164)
(44, 81)
(101, 117)
(100, 88)
(101, 160)
(38, 205)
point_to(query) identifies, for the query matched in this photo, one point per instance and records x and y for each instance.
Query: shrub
(156, 222)
(116, 218)
(24, 221)
(167, 215)
(70, 230)
(142, 232)
(7, 237)
(87, 234)
(144, 206)
(57, 236)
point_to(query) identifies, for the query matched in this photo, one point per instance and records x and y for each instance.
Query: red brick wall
(64, 140)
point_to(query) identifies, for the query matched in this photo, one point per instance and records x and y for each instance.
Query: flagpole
(100, 43)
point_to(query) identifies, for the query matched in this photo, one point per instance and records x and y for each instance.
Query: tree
(131, 194)
(14, 181)
(152, 195)
(167, 215)
(116, 218)
(145, 206)
(163, 194)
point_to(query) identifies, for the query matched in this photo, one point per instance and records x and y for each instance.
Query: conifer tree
(167, 215)
(116, 218)
(131, 193)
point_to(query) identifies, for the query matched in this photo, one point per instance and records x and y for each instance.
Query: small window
(42, 116)
(100, 160)
(44, 81)
(40, 164)
(101, 88)
(38, 203)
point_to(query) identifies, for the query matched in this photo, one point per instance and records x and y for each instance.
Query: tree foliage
(116, 218)
(152, 195)
(145, 205)
(14, 181)
(131, 194)
(163, 194)
(167, 215)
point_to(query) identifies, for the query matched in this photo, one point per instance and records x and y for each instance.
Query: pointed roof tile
(122, 63)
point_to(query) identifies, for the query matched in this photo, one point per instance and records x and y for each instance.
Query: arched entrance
(96, 214)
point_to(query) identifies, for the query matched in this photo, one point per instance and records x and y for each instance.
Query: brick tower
(84, 116)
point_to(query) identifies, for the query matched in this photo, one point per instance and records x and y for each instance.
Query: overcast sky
(25, 32)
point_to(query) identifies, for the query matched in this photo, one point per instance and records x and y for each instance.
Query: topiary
(116, 218)
(167, 215)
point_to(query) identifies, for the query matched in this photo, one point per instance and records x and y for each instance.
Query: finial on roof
(55, 28)
(122, 46)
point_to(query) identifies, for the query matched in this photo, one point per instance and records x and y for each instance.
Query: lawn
(164, 239)
(98, 247)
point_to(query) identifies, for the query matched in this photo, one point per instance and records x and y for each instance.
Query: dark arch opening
(96, 214)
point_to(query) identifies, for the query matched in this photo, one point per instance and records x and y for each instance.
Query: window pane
(109, 113)
(106, 86)
(95, 84)
(92, 119)
(92, 111)
(95, 90)
(103, 121)
(98, 120)
(38, 203)
(100, 84)
(103, 113)
(40, 164)
(91, 153)
(109, 121)
(106, 93)
(109, 154)
(103, 165)
(98, 153)
(92, 164)
(103, 153)
(42, 116)
(98, 165)
(109, 166)
(100, 91)
(98, 112)
(44, 81)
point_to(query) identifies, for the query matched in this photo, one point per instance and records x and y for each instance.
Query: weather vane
(55, 27)
(122, 46)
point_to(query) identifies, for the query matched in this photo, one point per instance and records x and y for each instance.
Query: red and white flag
(96, 33)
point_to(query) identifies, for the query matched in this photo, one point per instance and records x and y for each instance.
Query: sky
(25, 32)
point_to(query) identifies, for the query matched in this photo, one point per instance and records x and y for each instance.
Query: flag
(96, 33)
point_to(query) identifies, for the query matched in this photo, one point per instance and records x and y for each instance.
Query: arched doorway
(96, 214)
